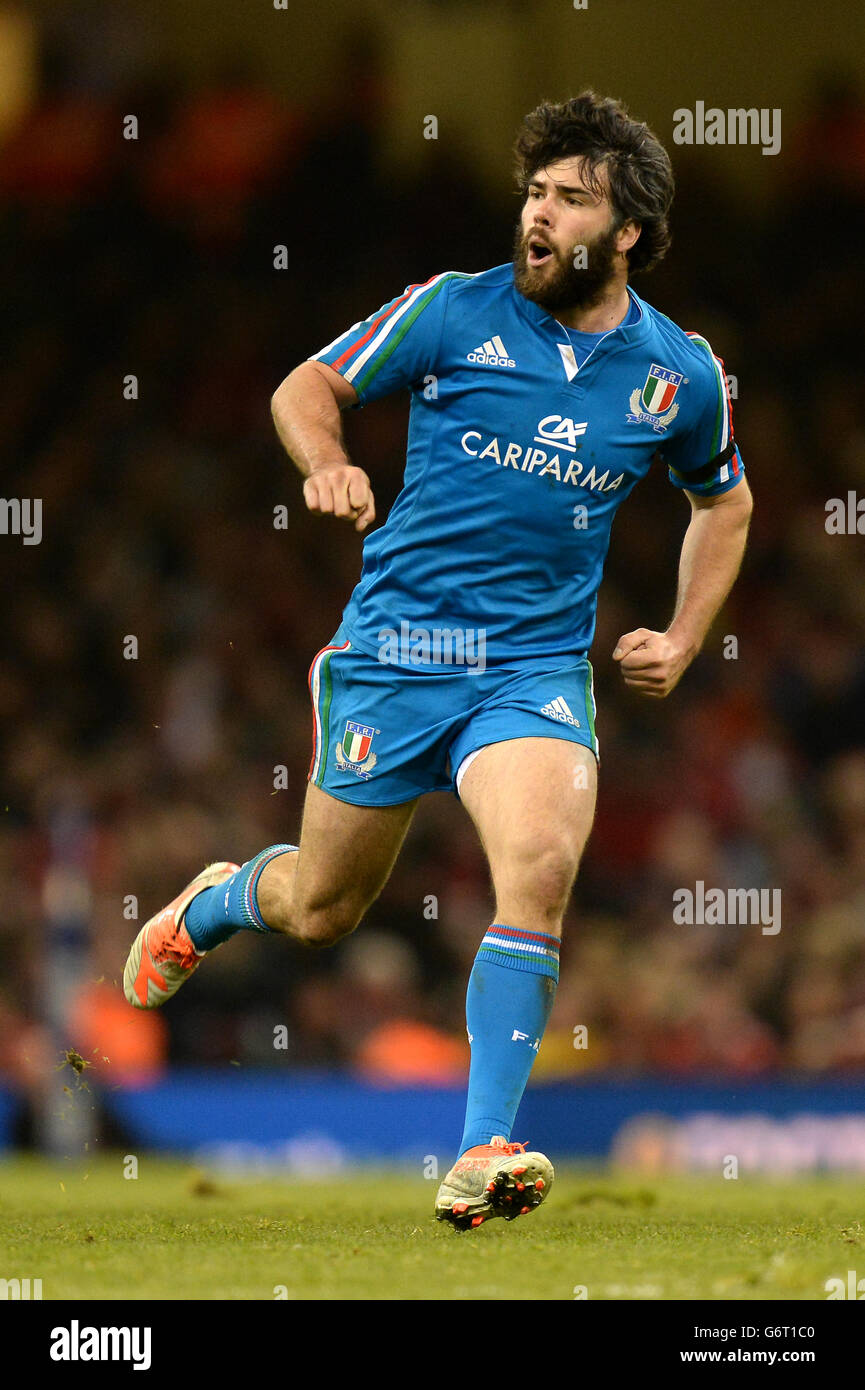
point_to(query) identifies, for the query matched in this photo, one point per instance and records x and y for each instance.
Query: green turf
(174, 1233)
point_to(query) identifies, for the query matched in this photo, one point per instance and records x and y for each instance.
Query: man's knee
(541, 873)
(309, 912)
(324, 924)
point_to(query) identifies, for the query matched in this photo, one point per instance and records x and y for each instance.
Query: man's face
(565, 248)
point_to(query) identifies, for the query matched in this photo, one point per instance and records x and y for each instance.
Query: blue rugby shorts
(385, 733)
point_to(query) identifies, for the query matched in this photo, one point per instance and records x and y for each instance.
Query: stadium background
(304, 128)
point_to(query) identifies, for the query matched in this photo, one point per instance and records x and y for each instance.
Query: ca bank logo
(560, 431)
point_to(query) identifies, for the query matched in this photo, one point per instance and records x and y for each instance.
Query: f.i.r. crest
(352, 753)
(656, 403)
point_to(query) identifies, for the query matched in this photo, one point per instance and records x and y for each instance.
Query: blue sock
(217, 913)
(511, 991)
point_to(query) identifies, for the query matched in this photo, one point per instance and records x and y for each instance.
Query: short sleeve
(396, 346)
(704, 457)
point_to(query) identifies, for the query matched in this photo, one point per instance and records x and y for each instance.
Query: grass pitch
(177, 1233)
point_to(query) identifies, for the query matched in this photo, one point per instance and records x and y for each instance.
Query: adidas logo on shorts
(492, 353)
(559, 709)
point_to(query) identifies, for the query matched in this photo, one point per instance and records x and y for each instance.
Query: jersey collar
(631, 333)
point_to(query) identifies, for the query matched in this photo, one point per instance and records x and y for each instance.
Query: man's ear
(627, 236)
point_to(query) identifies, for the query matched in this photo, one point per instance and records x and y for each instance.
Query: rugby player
(541, 392)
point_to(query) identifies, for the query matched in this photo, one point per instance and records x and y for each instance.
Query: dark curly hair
(599, 130)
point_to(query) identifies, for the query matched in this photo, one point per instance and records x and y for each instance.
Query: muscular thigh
(346, 851)
(533, 803)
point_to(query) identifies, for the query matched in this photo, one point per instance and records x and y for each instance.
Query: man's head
(598, 188)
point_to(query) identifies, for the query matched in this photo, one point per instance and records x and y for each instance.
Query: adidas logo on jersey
(492, 353)
(558, 709)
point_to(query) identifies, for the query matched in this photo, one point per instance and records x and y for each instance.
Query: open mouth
(538, 252)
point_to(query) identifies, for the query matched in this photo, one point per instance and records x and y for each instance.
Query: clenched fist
(652, 662)
(340, 489)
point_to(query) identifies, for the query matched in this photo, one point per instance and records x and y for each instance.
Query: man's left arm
(654, 662)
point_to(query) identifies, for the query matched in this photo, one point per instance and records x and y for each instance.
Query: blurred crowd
(145, 326)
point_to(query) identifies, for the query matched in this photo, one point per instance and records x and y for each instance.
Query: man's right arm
(306, 411)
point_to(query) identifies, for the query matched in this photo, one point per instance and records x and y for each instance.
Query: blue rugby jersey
(518, 458)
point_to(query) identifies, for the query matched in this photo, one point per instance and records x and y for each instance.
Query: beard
(558, 284)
